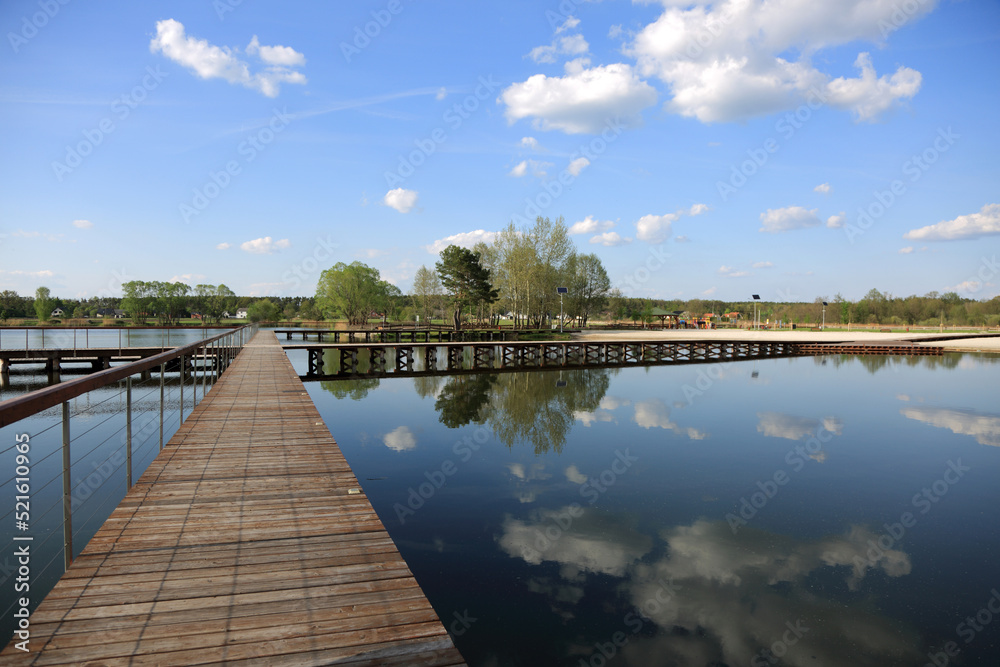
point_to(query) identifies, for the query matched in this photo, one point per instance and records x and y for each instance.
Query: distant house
(241, 314)
(58, 312)
(116, 313)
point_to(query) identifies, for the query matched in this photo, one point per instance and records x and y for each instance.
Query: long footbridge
(248, 540)
(331, 361)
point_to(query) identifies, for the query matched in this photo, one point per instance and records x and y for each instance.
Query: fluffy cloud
(984, 223)
(464, 239)
(654, 413)
(223, 246)
(869, 96)
(578, 165)
(536, 167)
(583, 101)
(574, 475)
(214, 62)
(823, 188)
(985, 428)
(763, 265)
(655, 228)
(732, 272)
(590, 226)
(610, 239)
(790, 427)
(906, 251)
(786, 219)
(594, 542)
(735, 59)
(264, 245)
(400, 439)
(401, 200)
(530, 143)
(728, 592)
(571, 45)
(836, 221)
(83, 224)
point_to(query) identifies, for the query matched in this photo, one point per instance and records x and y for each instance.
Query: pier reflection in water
(805, 511)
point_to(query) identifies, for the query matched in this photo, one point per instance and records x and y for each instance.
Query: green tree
(588, 285)
(138, 300)
(427, 291)
(264, 310)
(465, 280)
(353, 290)
(43, 304)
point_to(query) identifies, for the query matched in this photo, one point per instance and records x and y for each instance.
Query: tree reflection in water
(536, 407)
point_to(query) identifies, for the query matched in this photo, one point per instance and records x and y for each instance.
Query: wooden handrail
(20, 407)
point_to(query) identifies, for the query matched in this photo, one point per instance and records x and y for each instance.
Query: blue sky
(788, 148)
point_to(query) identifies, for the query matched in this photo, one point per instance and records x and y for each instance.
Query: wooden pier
(400, 335)
(388, 359)
(247, 541)
(99, 358)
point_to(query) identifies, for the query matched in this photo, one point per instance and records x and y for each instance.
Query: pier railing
(108, 438)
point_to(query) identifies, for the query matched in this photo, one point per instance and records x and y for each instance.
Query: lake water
(805, 511)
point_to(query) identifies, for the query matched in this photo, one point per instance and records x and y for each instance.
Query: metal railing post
(162, 396)
(182, 388)
(67, 498)
(128, 432)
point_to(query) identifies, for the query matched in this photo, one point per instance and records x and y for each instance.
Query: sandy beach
(961, 342)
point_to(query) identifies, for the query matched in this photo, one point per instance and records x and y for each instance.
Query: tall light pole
(561, 290)
(756, 298)
(823, 326)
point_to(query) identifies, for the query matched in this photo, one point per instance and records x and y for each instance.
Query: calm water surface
(790, 511)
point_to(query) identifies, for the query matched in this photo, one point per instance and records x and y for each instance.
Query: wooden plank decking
(242, 544)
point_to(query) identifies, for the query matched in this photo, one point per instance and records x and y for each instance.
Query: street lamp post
(756, 298)
(561, 290)
(823, 326)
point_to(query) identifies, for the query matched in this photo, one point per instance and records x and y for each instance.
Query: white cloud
(974, 225)
(786, 219)
(790, 427)
(570, 23)
(906, 251)
(441, 93)
(574, 475)
(44, 273)
(590, 226)
(571, 45)
(698, 209)
(610, 239)
(730, 272)
(869, 96)
(762, 265)
(463, 239)
(264, 245)
(83, 224)
(214, 62)
(654, 413)
(281, 56)
(401, 439)
(836, 221)
(985, 428)
(578, 165)
(223, 246)
(681, 239)
(583, 101)
(187, 278)
(823, 188)
(735, 59)
(537, 168)
(530, 143)
(655, 228)
(401, 200)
